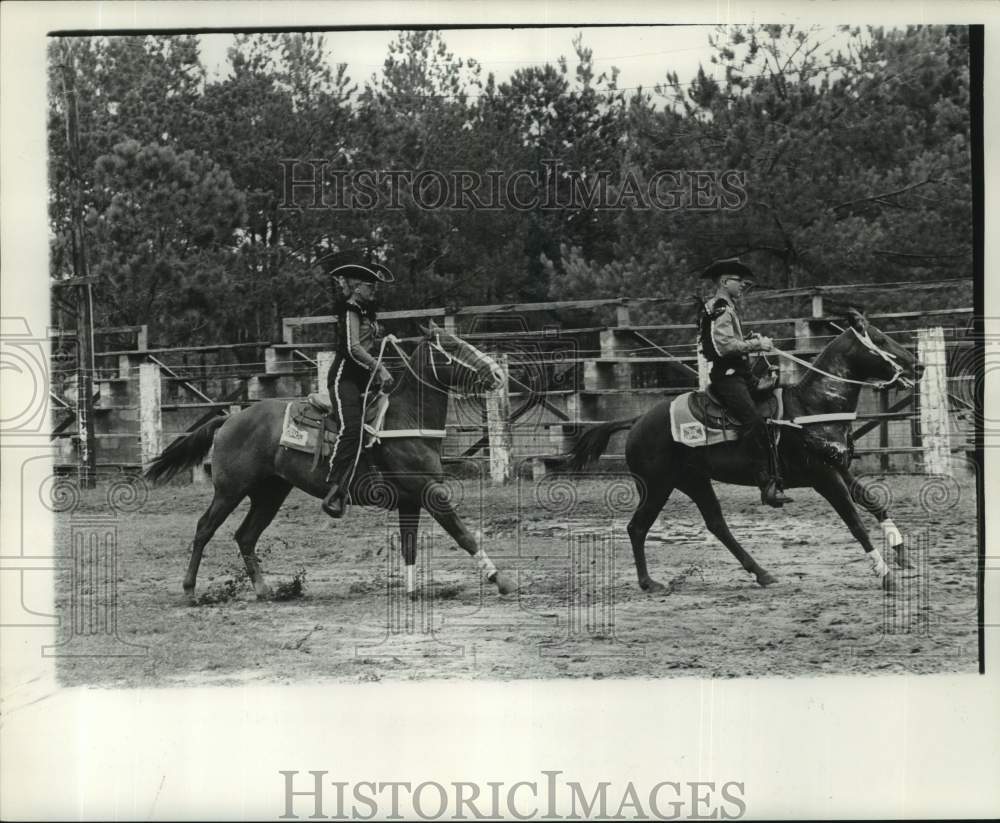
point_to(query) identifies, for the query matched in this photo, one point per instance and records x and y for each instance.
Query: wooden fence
(564, 375)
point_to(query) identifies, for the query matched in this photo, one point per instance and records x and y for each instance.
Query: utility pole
(86, 452)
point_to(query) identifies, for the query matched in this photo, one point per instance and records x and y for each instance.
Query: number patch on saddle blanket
(689, 430)
(692, 434)
(301, 428)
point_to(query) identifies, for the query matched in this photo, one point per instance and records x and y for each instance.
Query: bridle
(868, 343)
(435, 344)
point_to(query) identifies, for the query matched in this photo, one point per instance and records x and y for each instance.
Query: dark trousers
(346, 389)
(734, 392)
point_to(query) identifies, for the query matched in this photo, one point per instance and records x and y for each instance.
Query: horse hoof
(766, 579)
(189, 597)
(902, 561)
(414, 595)
(264, 592)
(652, 587)
(505, 583)
(888, 583)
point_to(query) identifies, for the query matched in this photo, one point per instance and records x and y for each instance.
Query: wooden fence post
(150, 414)
(934, 423)
(622, 316)
(201, 475)
(323, 361)
(817, 305)
(270, 359)
(498, 423)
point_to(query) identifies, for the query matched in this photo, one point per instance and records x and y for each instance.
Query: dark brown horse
(816, 455)
(248, 461)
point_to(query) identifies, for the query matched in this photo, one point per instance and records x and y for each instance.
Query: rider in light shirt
(724, 346)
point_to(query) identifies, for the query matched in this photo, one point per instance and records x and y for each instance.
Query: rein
(868, 343)
(435, 344)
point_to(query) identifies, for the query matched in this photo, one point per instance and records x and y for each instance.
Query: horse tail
(184, 452)
(593, 442)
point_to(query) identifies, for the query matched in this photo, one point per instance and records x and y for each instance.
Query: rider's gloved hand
(386, 379)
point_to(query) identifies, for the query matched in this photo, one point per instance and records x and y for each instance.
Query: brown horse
(816, 455)
(248, 461)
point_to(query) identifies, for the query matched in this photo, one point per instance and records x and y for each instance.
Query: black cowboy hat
(369, 273)
(731, 267)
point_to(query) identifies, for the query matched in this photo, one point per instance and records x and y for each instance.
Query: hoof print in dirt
(290, 589)
(217, 593)
(451, 592)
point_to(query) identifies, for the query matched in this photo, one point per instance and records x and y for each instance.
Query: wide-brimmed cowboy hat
(366, 272)
(730, 267)
(369, 273)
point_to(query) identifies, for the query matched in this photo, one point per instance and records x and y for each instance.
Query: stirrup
(773, 496)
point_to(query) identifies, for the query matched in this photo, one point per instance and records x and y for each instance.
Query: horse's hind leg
(700, 490)
(654, 497)
(221, 507)
(265, 500)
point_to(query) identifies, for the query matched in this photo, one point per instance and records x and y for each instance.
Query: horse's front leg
(437, 503)
(832, 486)
(871, 502)
(409, 521)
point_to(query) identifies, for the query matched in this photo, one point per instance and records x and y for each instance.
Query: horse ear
(424, 330)
(857, 319)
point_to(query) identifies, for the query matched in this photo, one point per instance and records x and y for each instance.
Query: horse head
(455, 363)
(872, 355)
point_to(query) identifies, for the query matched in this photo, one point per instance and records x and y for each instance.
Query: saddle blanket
(698, 419)
(305, 418)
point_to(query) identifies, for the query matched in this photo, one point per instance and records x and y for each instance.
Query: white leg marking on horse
(892, 534)
(878, 564)
(485, 564)
(411, 579)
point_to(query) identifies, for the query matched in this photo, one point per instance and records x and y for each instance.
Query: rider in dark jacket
(724, 346)
(351, 372)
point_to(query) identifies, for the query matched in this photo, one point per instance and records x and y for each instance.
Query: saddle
(699, 418)
(375, 409)
(306, 418)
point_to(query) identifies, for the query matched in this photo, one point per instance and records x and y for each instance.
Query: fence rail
(562, 377)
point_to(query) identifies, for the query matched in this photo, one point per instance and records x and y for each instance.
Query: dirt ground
(578, 612)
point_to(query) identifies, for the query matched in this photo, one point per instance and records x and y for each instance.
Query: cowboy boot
(333, 503)
(774, 495)
(771, 493)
